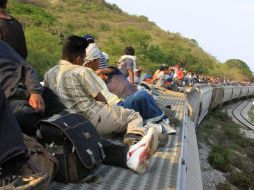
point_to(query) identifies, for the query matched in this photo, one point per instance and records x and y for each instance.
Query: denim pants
(145, 104)
(11, 139)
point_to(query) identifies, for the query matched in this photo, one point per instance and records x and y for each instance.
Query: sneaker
(166, 128)
(131, 138)
(162, 137)
(139, 153)
(166, 120)
(38, 181)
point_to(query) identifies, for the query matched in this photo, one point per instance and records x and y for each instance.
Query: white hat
(92, 53)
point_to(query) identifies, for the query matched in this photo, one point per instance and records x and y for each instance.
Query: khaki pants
(114, 119)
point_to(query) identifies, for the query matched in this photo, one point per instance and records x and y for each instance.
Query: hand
(36, 102)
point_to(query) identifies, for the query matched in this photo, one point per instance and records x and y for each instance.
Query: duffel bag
(76, 144)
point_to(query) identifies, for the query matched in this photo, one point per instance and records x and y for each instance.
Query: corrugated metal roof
(165, 167)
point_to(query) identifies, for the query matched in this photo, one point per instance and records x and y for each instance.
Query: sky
(223, 28)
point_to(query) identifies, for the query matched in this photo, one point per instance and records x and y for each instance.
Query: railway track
(239, 112)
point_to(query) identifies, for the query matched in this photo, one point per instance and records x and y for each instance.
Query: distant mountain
(47, 22)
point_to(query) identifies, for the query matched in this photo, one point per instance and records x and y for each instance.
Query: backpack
(39, 159)
(76, 144)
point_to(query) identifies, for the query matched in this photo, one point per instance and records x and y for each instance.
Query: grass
(231, 152)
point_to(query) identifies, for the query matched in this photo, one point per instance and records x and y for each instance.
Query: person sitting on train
(28, 100)
(127, 94)
(14, 154)
(162, 79)
(158, 71)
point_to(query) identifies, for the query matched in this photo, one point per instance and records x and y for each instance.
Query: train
(204, 98)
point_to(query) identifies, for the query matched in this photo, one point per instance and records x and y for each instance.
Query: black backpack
(76, 144)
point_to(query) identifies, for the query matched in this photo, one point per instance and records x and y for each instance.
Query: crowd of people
(178, 79)
(84, 83)
(112, 98)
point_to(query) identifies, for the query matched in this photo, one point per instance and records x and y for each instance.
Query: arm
(36, 102)
(91, 85)
(130, 66)
(151, 81)
(155, 78)
(100, 98)
(32, 80)
(131, 76)
(104, 71)
(34, 87)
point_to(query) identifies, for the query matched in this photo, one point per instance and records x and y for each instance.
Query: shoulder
(128, 60)
(161, 73)
(81, 69)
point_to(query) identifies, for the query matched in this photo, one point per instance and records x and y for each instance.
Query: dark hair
(2, 2)
(73, 47)
(164, 68)
(129, 51)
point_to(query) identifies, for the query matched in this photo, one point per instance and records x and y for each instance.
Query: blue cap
(88, 37)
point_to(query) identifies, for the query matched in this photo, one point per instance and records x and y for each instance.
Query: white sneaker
(158, 127)
(163, 130)
(163, 137)
(166, 120)
(139, 153)
(167, 128)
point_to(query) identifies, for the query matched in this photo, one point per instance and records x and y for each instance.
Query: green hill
(47, 22)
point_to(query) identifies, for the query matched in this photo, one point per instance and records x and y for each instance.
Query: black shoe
(131, 138)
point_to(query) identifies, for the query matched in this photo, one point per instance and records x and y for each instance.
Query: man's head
(163, 66)
(165, 69)
(74, 49)
(129, 51)
(93, 55)
(3, 4)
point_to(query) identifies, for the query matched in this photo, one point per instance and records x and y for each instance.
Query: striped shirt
(76, 87)
(103, 62)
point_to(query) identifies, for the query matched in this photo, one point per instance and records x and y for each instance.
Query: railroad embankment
(226, 154)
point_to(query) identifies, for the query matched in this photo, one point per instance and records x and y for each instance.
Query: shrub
(243, 180)
(220, 158)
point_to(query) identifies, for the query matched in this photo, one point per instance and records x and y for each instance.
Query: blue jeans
(145, 104)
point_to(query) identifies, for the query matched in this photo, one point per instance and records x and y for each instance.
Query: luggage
(74, 142)
(39, 159)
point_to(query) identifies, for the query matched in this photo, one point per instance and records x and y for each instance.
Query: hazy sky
(223, 28)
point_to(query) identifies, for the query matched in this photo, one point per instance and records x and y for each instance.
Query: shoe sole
(153, 142)
(149, 150)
